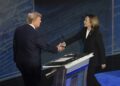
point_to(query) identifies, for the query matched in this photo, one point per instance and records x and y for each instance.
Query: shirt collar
(32, 25)
(89, 29)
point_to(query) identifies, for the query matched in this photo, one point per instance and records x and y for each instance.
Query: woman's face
(87, 22)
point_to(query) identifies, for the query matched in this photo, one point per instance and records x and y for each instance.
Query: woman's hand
(61, 46)
(103, 66)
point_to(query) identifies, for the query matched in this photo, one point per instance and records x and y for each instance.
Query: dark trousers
(30, 75)
(91, 80)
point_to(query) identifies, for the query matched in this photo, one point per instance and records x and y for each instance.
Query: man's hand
(61, 46)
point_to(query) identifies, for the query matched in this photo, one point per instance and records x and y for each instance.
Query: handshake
(61, 46)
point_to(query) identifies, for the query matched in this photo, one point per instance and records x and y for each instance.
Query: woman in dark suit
(93, 42)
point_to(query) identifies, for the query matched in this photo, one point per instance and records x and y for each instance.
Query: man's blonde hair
(32, 15)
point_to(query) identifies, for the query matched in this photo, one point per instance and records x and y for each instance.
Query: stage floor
(111, 78)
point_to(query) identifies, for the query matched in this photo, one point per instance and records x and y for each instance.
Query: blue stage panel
(116, 34)
(12, 15)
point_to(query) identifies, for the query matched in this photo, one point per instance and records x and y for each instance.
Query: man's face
(37, 22)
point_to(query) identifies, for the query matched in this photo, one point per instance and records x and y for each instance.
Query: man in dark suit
(93, 42)
(27, 46)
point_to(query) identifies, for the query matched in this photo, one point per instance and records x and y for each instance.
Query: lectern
(68, 70)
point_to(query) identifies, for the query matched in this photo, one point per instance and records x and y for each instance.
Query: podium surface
(67, 70)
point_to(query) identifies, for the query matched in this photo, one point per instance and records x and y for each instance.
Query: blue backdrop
(12, 15)
(116, 26)
(59, 17)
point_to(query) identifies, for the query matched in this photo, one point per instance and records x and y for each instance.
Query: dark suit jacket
(93, 43)
(27, 46)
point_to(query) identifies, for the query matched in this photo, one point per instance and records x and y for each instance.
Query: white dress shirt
(32, 25)
(87, 33)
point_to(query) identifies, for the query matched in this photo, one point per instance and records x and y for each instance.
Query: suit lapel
(89, 35)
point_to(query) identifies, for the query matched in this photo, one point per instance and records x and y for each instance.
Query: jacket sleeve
(42, 43)
(101, 47)
(74, 38)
